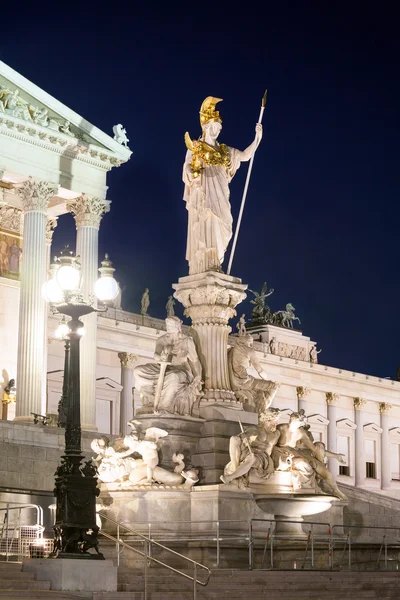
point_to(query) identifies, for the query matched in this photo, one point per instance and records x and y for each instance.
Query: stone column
(88, 211)
(209, 300)
(51, 224)
(360, 474)
(32, 347)
(302, 393)
(126, 402)
(386, 468)
(331, 401)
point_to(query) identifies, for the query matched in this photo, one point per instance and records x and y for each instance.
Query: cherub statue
(258, 393)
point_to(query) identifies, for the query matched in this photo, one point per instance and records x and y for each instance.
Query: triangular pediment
(372, 428)
(28, 108)
(346, 424)
(317, 419)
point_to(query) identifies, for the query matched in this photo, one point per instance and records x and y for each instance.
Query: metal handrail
(348, 542)
(9, 543)
(147, 543)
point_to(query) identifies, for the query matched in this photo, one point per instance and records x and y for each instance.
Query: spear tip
(264, 99)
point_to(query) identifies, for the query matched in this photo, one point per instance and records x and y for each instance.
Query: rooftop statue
(145, 302)
(261, 312)
(115, 463)
(286, 317)
(173, 383)
(207, 172)
(257, 393)
(169, 307)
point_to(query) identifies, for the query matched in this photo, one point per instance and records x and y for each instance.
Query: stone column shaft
(35, 196)
(360, 473)
(331, 400)
(126, 402)
(386, 467)
(88, 212)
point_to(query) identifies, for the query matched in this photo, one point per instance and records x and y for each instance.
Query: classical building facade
(53, 162)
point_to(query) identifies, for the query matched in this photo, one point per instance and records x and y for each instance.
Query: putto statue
(259, 452)
(116, 465)
(208, 169)
(257, 393)
(173, 383)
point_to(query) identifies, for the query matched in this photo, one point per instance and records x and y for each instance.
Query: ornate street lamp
(75, 483)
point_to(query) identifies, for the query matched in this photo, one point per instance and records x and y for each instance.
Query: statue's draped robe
(210, 217)
(176, 396)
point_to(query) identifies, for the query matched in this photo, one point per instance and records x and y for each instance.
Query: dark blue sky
(322, 214)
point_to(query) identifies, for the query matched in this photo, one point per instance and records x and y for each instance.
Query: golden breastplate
(205, 155)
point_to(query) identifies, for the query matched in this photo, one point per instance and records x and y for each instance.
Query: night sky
(322, 213)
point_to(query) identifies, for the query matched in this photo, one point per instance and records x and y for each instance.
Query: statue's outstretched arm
(246, 155)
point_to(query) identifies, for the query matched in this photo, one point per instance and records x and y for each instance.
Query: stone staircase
(229, 584)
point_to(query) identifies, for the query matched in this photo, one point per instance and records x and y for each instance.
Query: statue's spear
(246, 185)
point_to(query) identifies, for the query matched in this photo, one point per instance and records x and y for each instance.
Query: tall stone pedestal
(209, 300)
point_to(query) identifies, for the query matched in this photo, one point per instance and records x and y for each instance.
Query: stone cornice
(127, 359)
(88, 210)
(57, 142)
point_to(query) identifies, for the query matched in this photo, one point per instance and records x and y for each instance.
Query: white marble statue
(120, 134)
(116, 465)
(241, 325)
(173, 383)
(251, 450)
(314, 354)
(169, 307)
(257, 393)
(208, 169)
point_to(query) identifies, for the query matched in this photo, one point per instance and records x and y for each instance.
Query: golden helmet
(208, 112)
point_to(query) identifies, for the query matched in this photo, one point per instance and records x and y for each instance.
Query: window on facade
(370, 470)
(370, 458)
(395, 461)
(343, 447)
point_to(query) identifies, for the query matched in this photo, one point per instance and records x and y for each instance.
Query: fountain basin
(289, 510)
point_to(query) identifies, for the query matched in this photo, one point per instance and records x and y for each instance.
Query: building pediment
(317, 419)
(108, 384)
(373, 428)
(27, 111)
(346, 424)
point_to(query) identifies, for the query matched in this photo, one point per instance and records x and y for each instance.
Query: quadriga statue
(115, 463)
(173, 383)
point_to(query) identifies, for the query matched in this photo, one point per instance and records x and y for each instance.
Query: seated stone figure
(295, 449)
(257, 393)
(251, 450)
(172, 384)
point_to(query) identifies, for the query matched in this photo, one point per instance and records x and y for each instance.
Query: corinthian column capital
(359, 403)
(384, 408)
(302, 392)
(35, 194)
(127, 359)
(331, 398)
(88, 210)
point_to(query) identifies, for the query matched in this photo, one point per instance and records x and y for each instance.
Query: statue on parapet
(241, 325)
(207, 172)
(145, 302)
(286, 317)
(258, 394)
(115, 463)
(173, 383)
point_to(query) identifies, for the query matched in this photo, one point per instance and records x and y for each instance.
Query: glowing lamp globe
(106, 288)
(62, 330)
(68, 278)
(52, 292)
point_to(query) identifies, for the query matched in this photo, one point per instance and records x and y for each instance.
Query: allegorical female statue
(208, 169)
(173, 383)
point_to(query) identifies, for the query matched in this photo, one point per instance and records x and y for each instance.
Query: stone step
(16, 584)
(15, 574)
(44, 595)
(5, 566)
